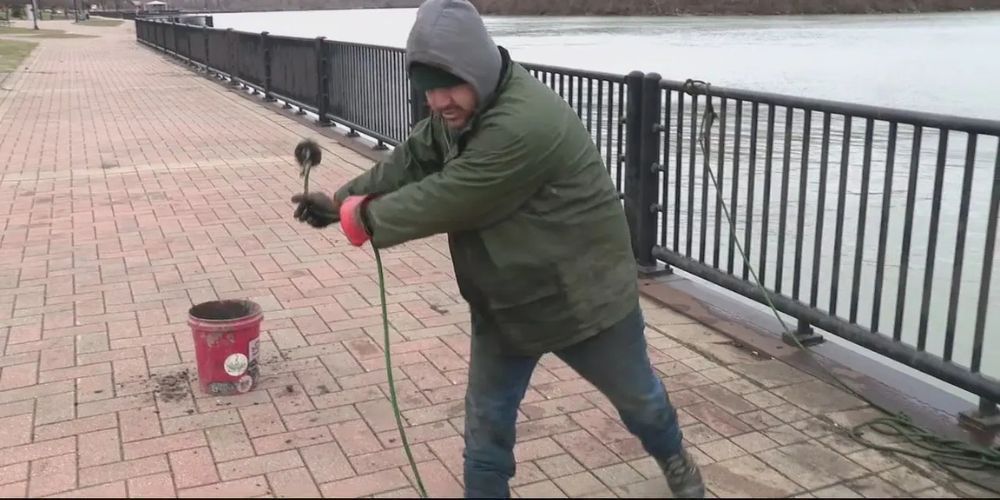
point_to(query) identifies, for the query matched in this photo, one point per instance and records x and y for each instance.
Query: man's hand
(316, 209)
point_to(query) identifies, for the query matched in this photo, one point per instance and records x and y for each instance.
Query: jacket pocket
(529, 314)
(523, 288)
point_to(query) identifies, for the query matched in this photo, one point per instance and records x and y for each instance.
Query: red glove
(351, 221)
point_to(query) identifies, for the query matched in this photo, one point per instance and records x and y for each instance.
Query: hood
(450, 35)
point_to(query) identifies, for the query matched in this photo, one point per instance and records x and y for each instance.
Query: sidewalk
(131, 188)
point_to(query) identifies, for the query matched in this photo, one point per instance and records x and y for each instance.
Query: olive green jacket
(537, 233)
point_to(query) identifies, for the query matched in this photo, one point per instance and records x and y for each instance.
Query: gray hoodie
(450, 35)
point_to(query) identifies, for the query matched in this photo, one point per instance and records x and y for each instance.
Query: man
(537, 234)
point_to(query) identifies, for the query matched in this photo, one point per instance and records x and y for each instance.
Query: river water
(940, 63)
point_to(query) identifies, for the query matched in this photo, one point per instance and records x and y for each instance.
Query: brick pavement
(131, 188)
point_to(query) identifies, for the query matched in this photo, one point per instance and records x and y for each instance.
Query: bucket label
(236, 364)
(254, 348)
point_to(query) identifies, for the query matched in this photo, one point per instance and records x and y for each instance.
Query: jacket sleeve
(411, 161)
(496, 174)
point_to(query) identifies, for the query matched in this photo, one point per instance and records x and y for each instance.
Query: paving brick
(52, 475)
(875, 487)
(541, 489)
(718, 419)
(17, 408)
(355, 437)
(101, 447)
(425, 376)
(202, 421)
(14, 490)
(123, 470)
(837, 491)
(812, 465)
(15, 430)
(252, 466)
(386, 459)
(874, 460)
(23, 375)
(139, 424)
(91, 343)
(617, 475)
(229, 442)
(241, 488)
(722, 449)
(109, 490)
(115, 404)
(754, 442)
(545, 427)
(585, 449)
(94, 388)
(152, 486)
(289, 440)
(294, 483)
(580, 484)
(438, 481)
(368, 484)
(327, 462)
(77, 426)
(760, 420)
(785, 434)
(193, 467)
(55, 408)
(261, 420)
(14, 473)
(164, 444)
(907, 479)
(58, 357)
(379, 415)
(559, 466)
(291, 399)
(603, 427)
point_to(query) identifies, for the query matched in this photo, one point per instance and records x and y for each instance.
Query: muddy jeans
(615, 361)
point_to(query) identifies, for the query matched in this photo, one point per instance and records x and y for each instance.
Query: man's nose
(438, 99)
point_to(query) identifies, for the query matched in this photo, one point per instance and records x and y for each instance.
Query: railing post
(234, 52)
(205, 39)
(322, 82)
(984, 419)
(265, 47)
(804, 334)
(187, 34)
(642, 153)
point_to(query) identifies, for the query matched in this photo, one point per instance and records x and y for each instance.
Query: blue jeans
(615, 361)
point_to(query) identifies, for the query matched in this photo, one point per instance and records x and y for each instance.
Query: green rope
(392, 385)
(308, 154)
(949, 454)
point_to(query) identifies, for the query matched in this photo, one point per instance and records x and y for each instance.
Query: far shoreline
(710, 8)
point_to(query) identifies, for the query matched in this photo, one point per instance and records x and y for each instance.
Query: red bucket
(226, 339)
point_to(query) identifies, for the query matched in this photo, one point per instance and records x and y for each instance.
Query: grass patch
(40, 33)
(12, 53)
(101, 22)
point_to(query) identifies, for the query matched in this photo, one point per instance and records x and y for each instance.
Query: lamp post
(34, 12)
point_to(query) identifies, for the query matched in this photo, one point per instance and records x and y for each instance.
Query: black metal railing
(839, 208)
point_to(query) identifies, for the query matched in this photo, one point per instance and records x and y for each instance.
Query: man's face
(456, 105)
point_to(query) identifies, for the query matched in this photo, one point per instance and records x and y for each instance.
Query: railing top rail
(366, 45)
(923, 119)
(600, 75)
